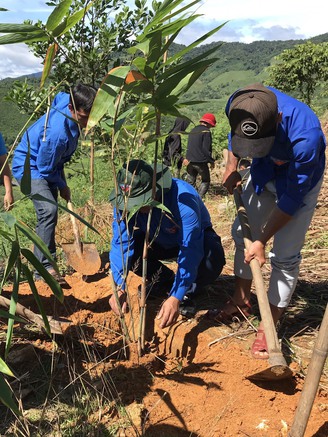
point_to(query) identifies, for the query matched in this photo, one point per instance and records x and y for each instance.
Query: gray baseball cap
(253, 120)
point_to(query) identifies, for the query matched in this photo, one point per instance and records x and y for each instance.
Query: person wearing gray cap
(284, 138)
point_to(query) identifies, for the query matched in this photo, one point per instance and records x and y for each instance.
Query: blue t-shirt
(3, 150)
(50, 146)
(183, 228)
(296, 161)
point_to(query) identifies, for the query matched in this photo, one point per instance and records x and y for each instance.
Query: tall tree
(303, 69)
(89, 49)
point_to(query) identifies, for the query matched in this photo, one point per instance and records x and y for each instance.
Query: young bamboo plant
(157, 79)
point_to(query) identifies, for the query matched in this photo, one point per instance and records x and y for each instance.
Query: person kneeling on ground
(287, 144)
(185, 233)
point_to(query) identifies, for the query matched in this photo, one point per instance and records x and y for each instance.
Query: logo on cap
(249, 128)
(125, 188)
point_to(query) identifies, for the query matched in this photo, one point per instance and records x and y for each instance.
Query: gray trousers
(285, 254)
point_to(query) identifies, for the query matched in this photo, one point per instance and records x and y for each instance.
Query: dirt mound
(193, 379)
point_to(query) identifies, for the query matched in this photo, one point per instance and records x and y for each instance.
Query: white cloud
(17, 61)
(249, 21)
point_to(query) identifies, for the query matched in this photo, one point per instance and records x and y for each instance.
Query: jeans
(47, 215)
(208, 271)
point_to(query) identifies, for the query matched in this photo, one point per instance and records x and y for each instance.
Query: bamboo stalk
(126, 336)
(55, 325)
(312, 379)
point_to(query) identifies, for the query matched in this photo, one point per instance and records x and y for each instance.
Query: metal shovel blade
(274, 373)
(85, 261)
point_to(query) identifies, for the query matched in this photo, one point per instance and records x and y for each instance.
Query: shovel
(278, 367)
(83, 257)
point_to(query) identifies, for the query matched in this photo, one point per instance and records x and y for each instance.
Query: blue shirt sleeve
(122, 249)
(302, 167)
(191, 244)
(3, 150)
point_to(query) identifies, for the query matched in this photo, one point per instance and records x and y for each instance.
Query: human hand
(169, 312)
(122, 300)
(8, 201)
(185, 162)
(231, 180)
(256, 251)
(65, 193)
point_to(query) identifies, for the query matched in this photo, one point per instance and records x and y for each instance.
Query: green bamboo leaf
(12, 259)
(164, 13)
(155, 52)
(140, 63)
(167, 86)
(6, 315)
(182, 65)
(5, 369)
(185, 84)
(50, 56)
(12, 307)
(59, 30)
(151, 203)
(6, 396)
(4, 234)
(142, 46)
(32, 236)
(105, 101)
(198, 42)
(71, 20)
(21, 37)
(174, 28)
(57, 15)
(53, 284)
(37, 299)
(64, 208)
(8, 218)
(139, 87)
(18, 28)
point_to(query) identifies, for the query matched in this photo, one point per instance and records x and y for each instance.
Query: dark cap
(134, 182)
(253, 120)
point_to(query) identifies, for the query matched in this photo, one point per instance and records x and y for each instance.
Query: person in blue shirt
(5, 175)
(284, 138)
(182, 230)
(52, 140)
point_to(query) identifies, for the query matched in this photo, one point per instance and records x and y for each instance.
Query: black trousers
(208, 270)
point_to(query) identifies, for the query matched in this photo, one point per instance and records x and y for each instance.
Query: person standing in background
(52, 140)
(199, 153)
(172, 151)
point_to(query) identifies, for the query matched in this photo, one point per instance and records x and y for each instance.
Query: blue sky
(249, 20)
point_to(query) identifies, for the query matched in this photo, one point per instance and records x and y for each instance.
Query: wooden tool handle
(312, 380)
(75, 229)
(275, 355)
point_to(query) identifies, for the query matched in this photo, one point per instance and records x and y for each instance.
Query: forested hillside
(238, 64)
